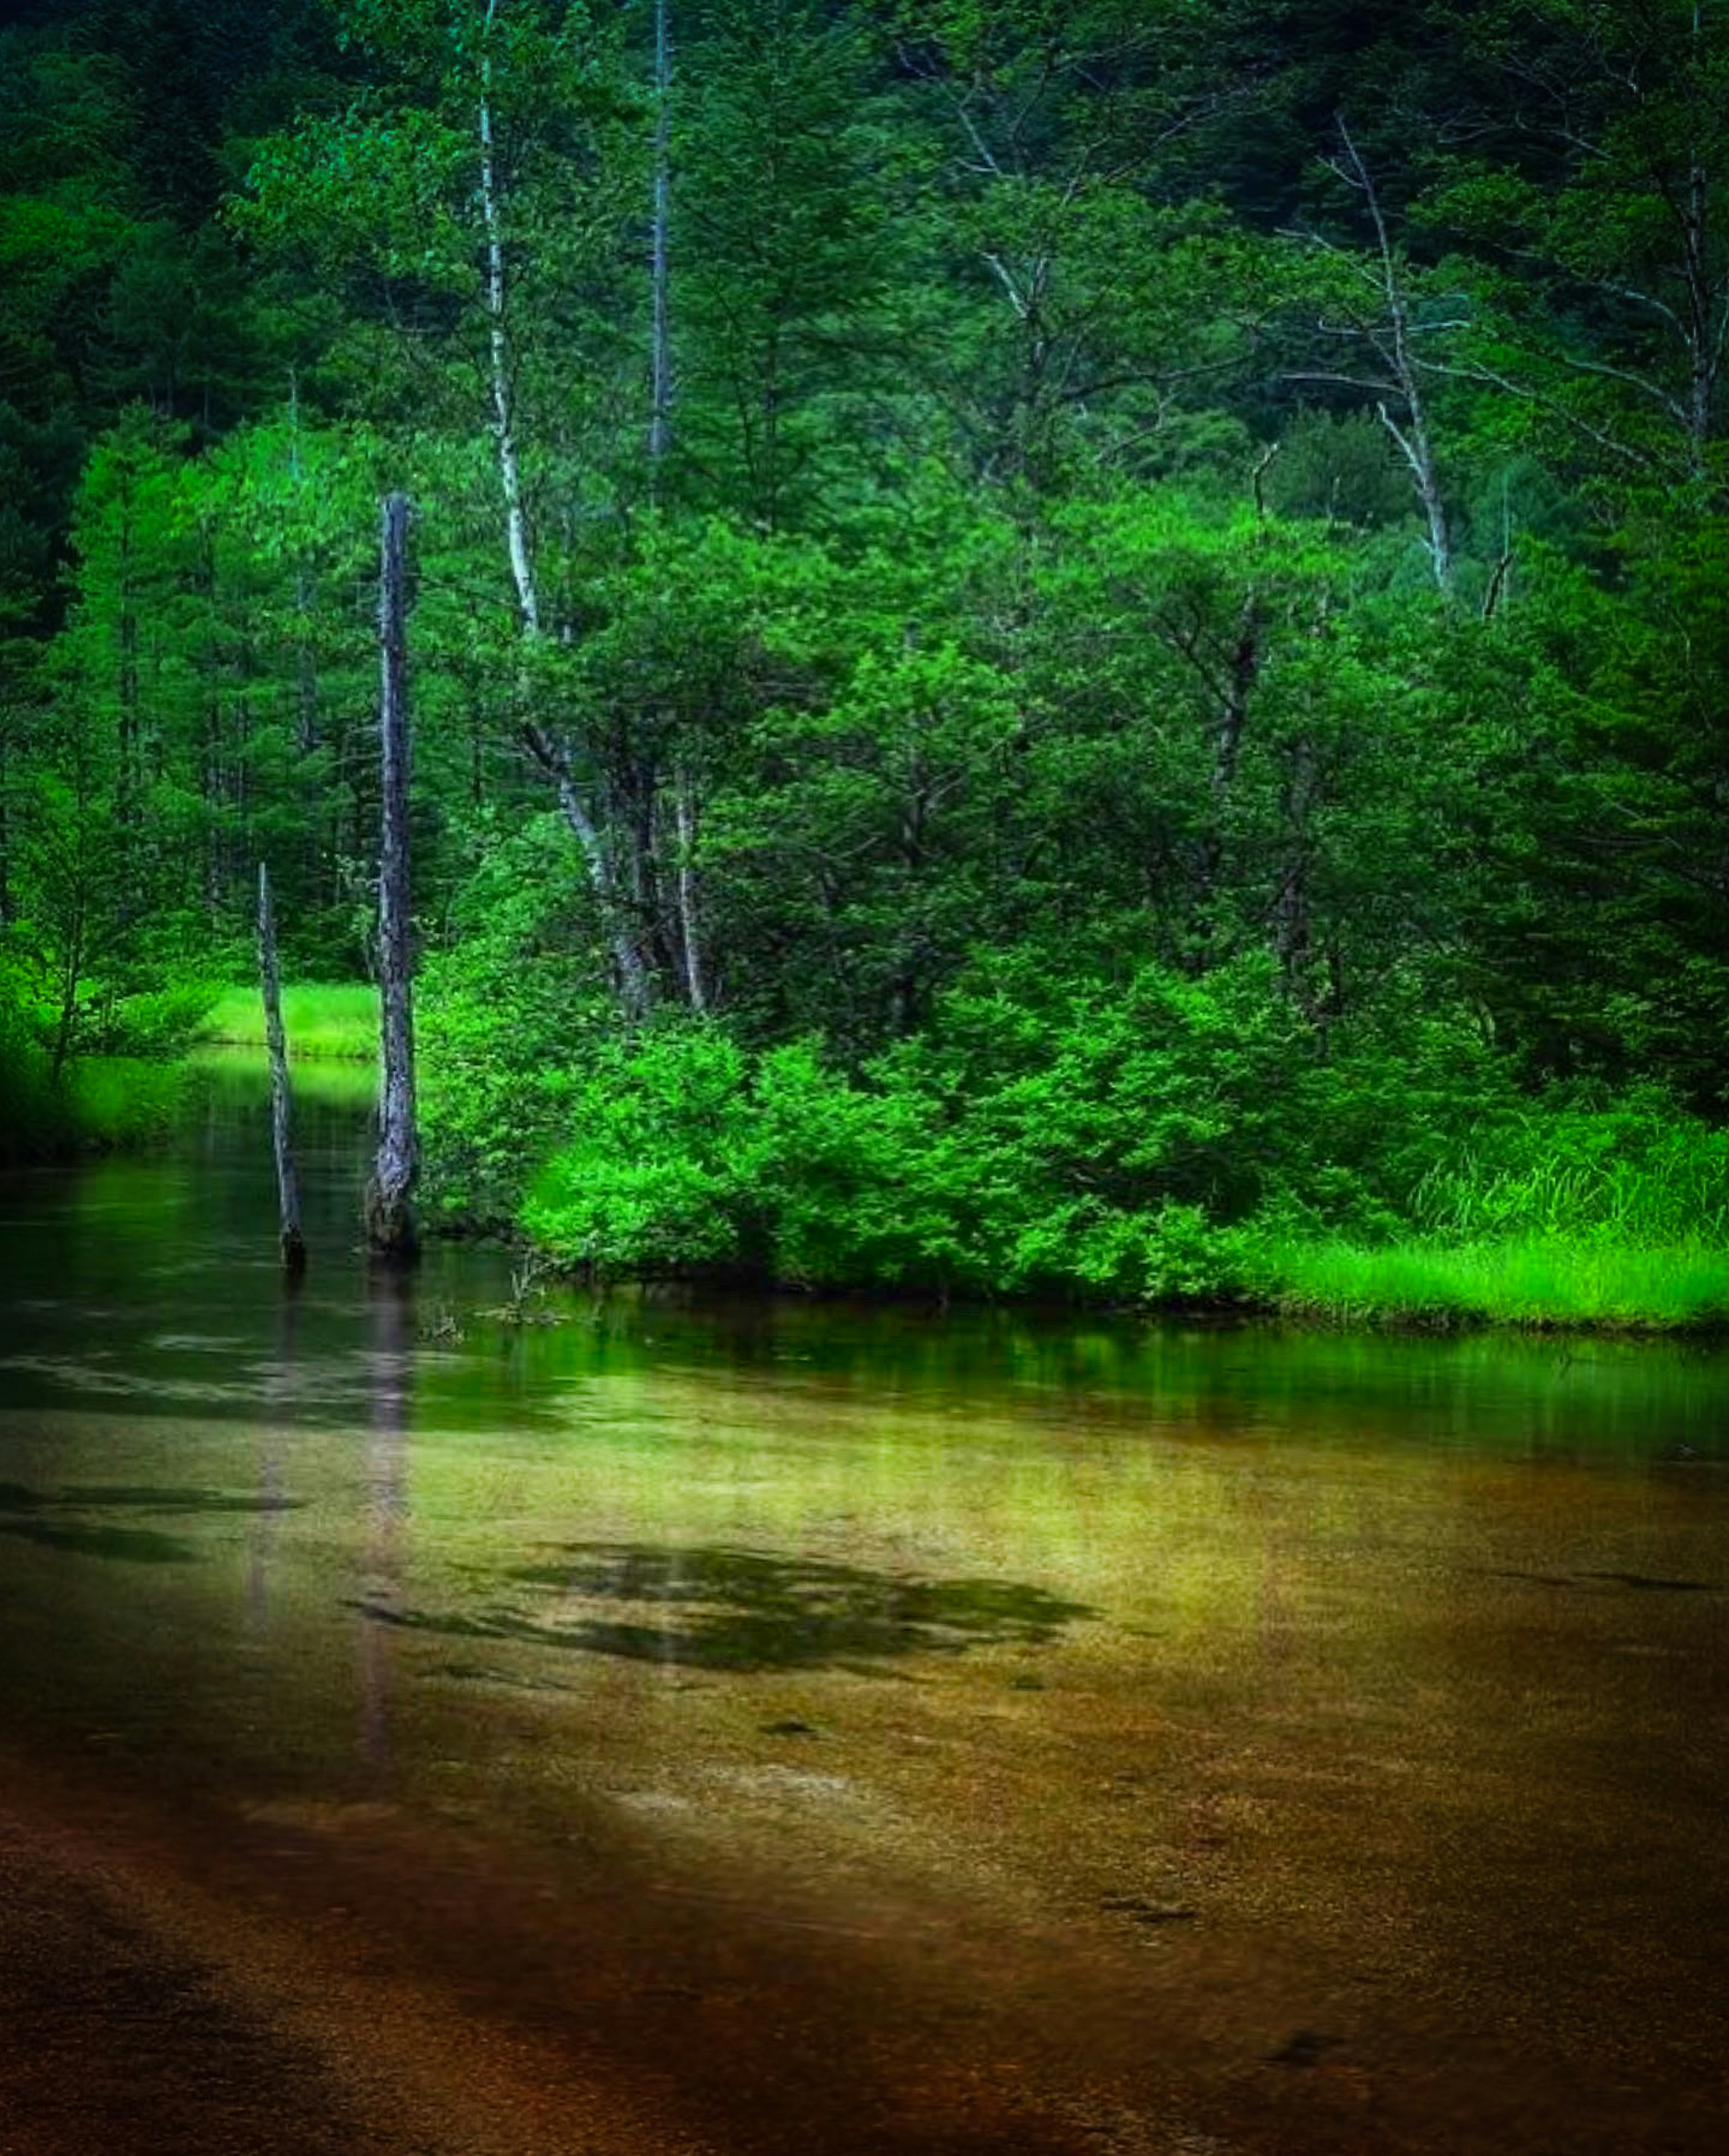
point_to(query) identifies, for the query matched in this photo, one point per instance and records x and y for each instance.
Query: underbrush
(1160, 1141)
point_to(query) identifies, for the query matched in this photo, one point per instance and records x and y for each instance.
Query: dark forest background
(1057, 646)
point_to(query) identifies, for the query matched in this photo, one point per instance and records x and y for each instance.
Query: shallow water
(881, 1731)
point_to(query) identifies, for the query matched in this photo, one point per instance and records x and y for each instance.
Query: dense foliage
(1057, 645)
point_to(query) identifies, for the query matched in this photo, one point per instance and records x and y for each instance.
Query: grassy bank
(321, 1019)
(1549, 1280)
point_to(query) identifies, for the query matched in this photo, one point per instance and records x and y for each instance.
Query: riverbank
(1518, 1286)
(125, 1083)
(1555, 1283)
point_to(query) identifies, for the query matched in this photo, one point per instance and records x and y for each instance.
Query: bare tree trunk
(549, 752)
(288, 1181)
(689, 927)
(390, 1224)
(1413, 439)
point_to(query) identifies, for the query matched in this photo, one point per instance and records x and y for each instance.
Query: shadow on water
(130, 1545)
(22, 1511)
(719, 1608)
(144, 1497)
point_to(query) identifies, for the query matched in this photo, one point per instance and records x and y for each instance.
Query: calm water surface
(883, 1732)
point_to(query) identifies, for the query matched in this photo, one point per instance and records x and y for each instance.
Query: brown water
(758, 1726)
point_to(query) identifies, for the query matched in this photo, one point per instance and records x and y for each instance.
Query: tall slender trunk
(660, 417)
(504, 417)
(71, 977)
(6, 906)
(1707, 299)
(1241, 675)
(131, 726)
(305, 658)
(288, 1181)
(690, 924)
(1413, 440)
(390, 1224)
(548, 752)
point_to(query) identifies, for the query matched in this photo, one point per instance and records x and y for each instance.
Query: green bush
(1103, 1145)
(510, 1026)
(1160, 1139)
(162, 1024)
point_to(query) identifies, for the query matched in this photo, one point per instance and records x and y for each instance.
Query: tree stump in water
(288, 1181)
(390, 1221)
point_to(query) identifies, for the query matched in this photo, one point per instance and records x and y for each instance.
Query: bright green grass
(319, 1017)
(1531, 1280)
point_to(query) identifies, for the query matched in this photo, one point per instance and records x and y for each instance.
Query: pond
(673, 1722)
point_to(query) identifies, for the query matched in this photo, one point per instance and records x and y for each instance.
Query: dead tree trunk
(689, 926)
(548, 749)
(1397, 346)
(288, 1181)
(390, 1223)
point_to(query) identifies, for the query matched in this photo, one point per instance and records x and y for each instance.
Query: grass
(1534, 1280)
(1612, 1218)
(321, 1019)
(1638, 1180)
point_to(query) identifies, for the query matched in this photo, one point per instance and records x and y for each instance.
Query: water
(861, 1729)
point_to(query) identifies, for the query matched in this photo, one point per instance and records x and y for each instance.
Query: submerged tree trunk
(390, 1223)
(288, 1181)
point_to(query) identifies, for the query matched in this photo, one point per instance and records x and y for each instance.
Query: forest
(1065, 649)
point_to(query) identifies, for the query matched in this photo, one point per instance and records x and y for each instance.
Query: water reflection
(384, 1500)
(280, 1393)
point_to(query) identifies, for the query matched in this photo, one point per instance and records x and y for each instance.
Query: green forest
(1065, 649)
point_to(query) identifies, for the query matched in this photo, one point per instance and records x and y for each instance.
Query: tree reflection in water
(390, 1310)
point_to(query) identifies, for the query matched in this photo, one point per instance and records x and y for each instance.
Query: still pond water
(870, 1730)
